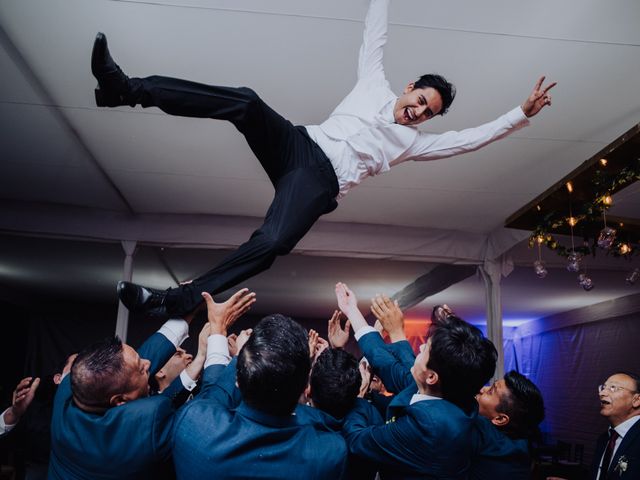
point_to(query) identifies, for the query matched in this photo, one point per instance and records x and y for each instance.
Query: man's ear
(432, 378)
(118, 399)
(409, 87)
(57, 378)
(500, 420)
(636, 401)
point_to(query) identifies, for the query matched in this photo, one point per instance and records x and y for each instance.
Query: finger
(208, 299)
(387, 302)
(23, 383)
(549, 87)
(539, 83)
(35, 384)
(376, 311)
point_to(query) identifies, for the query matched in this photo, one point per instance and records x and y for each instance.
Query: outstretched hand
(22, 397)
(222, 315)
(338, 336)
(390, 316)
(538, 99)
(347, 301)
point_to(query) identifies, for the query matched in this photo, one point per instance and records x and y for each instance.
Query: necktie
(608, 453)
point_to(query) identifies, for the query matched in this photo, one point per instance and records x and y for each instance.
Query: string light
(607, 200)
(570, 187)
(603, 162)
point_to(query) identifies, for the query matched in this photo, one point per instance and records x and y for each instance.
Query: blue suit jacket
(498, 456)
(125, 442)
(629, 449)
(215, 438)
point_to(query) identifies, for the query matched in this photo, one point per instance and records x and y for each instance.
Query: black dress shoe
(142, 299)
(113, 85)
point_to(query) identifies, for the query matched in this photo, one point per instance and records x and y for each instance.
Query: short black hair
(274, 364)
(335, 382)
(523, 404)
(446, 89)
(463, 358)
(97, 373)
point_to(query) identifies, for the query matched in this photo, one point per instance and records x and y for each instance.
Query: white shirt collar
(420, 397)
(625, 426)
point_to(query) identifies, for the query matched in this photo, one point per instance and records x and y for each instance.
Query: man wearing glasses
(618, 450)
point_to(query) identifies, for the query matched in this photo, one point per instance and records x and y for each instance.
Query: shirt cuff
(363, 331)
(5, 427)
(217, 351)
(176, 330)
(187, 382)
(517, 118)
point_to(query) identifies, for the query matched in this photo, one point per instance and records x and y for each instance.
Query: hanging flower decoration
(585, 216)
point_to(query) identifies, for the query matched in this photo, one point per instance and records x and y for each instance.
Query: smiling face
(622, 404)
(417, 105)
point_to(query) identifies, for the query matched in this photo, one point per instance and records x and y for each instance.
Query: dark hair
(463, 358)
(632, 376)
(523, 404)
(446, 90)
(335, 382)
(273, 366)
(97, 373)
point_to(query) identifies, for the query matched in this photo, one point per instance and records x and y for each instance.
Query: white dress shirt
(361, 138)
(621, 430)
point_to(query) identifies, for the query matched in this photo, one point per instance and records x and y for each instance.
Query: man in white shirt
(618, 450)
(369, 132)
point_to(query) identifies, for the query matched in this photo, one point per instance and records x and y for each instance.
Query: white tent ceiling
(195, 183)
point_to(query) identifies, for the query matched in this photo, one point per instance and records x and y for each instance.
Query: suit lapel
(627, 440)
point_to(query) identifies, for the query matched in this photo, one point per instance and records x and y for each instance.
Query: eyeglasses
(613, 388)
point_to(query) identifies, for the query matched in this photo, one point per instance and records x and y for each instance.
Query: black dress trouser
(303, 177)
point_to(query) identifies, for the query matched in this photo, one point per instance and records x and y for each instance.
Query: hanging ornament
(538, 265)
(574, 261)
(574, 258)
(585, 281)
(633, 276)
(607, 235)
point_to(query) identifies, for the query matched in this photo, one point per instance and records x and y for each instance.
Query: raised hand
(538, 98)
(390, 316)
(313, 340)
(338, 336)
(365, 374)
(232, 343)
(321, 346)
(242, 338)
(22, 397)
(347, 301)
(222, 315)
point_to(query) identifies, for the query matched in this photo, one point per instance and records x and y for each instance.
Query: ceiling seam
(397, 24)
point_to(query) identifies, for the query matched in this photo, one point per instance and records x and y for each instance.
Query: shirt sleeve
(374, 39)
(432, 146)
(5, 427)
(217, 351)
(364, 331)
(176, 331)
(187, 382)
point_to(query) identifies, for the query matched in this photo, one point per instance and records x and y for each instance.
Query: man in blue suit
(510, 410)
(618, 450)
(428, 433)
(104, 424)
(252, 432)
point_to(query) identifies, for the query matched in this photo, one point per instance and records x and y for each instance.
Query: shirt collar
(625, 426)
(420, 397)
